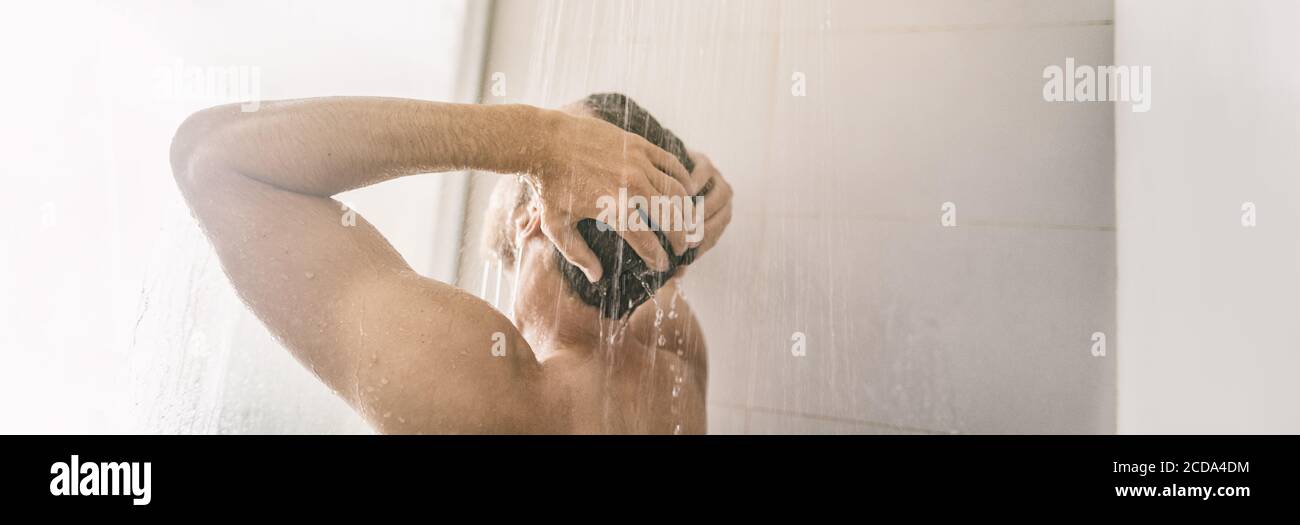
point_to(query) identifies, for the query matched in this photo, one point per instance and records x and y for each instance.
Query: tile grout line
(750, 409)
(928, 29)
(912, 220)
(992, 26)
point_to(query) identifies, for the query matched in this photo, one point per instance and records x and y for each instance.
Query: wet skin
(412, 354)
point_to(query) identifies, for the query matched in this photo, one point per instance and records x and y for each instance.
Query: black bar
(329, 473)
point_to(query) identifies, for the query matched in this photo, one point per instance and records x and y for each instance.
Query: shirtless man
(414, 355)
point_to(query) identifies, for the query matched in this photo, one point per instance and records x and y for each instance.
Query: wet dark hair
(626, 281)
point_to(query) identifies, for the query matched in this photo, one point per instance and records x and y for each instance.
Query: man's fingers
(646, 244)
(716, 202)
(704, 171)
(713, 228)
(573, 247)
(676, 238)
(718, 198)
(662, 183)
(664, 217)
(667, 163)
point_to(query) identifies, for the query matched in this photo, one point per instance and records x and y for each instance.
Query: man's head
(626, 281)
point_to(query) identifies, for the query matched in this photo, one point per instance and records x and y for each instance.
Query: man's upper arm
(411, 354)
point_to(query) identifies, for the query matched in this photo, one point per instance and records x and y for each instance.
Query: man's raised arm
(400, 348)
(325, 146)
(397, 346)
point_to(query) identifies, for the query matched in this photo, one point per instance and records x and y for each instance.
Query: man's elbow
(191, 144)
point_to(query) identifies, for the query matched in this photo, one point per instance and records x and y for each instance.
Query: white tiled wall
(911, 327)
(1209, 338)
(115, 316)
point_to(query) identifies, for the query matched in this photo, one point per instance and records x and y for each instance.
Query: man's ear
(578, 108)
(527, 220)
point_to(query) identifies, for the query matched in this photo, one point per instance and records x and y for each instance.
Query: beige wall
(910, 326)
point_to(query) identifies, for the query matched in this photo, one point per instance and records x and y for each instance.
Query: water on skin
(677, 369)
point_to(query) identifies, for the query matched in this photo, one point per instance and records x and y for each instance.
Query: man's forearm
(324, 146)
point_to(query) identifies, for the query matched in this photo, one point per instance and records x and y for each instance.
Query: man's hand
(586, 158)
(717, 200)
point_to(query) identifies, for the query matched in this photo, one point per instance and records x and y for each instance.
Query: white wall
(115, 314)
(1209, 339)
(911, 327)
